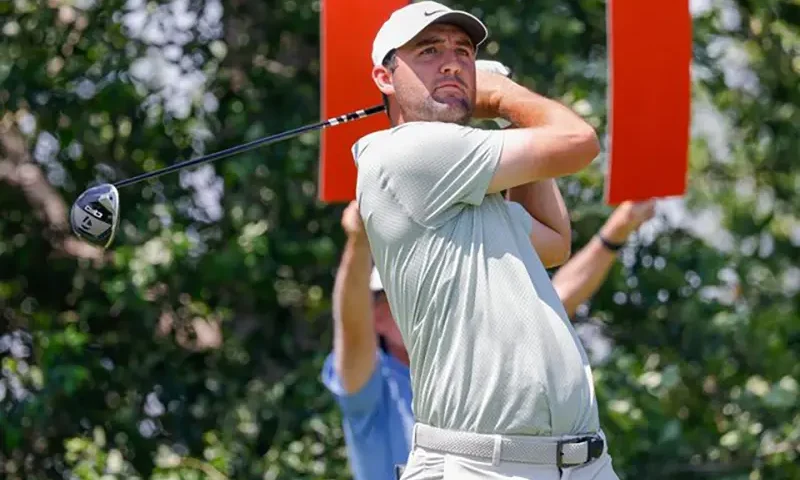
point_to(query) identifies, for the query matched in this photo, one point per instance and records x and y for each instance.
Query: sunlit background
(193, 347)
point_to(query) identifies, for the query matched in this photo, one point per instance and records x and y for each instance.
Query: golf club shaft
(358, 114)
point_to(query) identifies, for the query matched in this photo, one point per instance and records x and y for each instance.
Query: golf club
(94, 216)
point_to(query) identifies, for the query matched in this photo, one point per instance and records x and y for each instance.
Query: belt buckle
(594, 448)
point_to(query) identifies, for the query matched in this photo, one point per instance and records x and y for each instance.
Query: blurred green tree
(192, 349)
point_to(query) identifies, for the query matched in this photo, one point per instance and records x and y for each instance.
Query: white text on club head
(96, 213)
(90, 225)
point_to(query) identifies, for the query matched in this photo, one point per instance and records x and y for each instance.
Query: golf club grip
(348, 117)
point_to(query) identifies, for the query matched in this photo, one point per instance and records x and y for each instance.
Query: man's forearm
(354, 342)
(552, 236)
(526, 108)
(583, 275)
(542, 199)
(351, 295)
(557, 139)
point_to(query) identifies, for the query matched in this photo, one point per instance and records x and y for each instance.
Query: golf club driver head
(95, 215)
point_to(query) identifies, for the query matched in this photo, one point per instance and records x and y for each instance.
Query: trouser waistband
(563, 452)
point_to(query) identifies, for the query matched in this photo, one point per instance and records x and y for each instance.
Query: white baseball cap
(405, 23)
(375, 283)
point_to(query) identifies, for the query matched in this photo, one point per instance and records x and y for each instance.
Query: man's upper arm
(536, 153)
(429, 167)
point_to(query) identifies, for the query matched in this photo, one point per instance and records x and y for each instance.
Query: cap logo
(428, 14)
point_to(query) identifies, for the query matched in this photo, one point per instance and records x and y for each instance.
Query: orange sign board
(650, 53)
(347, 30)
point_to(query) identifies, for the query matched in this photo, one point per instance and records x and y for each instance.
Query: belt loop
(414, 436)
(565, 473)
(497, 451)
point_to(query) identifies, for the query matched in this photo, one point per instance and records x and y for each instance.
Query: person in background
(367, 370)
(580, 278)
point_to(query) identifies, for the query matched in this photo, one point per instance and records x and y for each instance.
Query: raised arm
(435, 168)
(582, 276)
(354, 342)
(551, 234)
(550, 140)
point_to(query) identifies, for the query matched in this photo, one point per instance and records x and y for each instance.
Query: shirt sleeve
(520, 216)
(432, 168)
(357, 403)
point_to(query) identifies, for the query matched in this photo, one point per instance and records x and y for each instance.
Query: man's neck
(395, 114)
(396, 120)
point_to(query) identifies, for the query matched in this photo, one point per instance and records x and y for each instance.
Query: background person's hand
(352, 223)
(626, 219)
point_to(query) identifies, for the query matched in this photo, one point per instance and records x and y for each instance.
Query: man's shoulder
(408, 137)
(368, 143)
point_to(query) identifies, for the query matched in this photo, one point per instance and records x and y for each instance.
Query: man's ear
(383, 79)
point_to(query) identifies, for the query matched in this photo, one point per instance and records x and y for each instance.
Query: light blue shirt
(377, 420)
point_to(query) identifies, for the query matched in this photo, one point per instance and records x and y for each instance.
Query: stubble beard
(455, 110)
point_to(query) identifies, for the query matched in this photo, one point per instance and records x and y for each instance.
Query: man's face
(434, 77)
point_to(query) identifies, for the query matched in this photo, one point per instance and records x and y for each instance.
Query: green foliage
(193, 349)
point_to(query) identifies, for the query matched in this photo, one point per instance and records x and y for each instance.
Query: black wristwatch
(614, 247)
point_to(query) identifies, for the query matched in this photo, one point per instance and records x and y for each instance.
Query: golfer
(502, 387)
(367, 371)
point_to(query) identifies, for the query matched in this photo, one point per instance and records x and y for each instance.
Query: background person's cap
(405, 23)
(375, 283)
